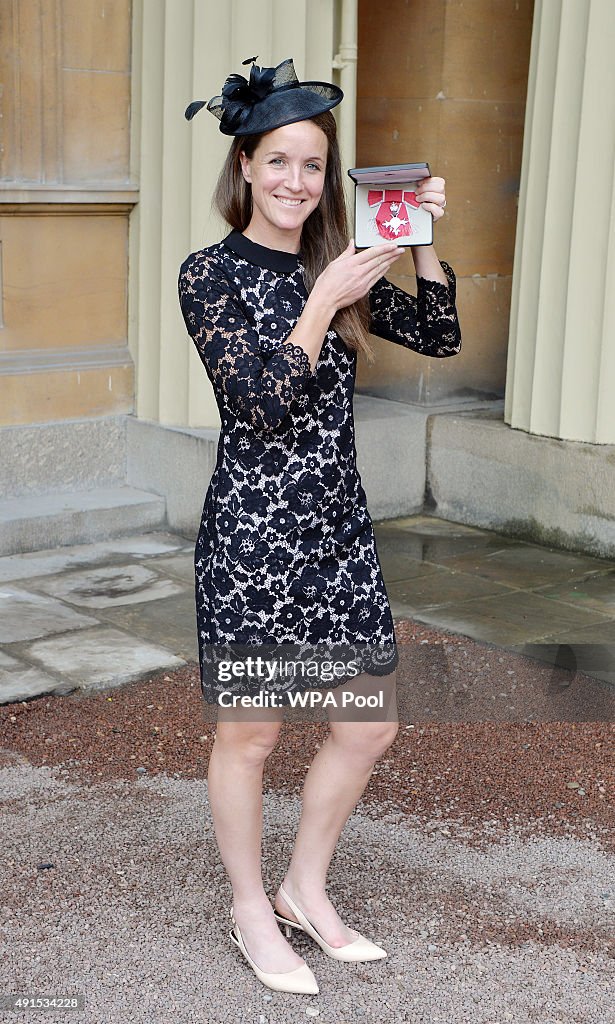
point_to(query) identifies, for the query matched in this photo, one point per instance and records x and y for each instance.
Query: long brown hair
(325, 232)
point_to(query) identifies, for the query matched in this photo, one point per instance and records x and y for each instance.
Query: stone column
(561, 361)
(183, 50)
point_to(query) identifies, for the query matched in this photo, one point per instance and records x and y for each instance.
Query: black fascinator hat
(273, 97)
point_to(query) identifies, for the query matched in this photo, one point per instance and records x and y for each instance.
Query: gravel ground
(481, 856)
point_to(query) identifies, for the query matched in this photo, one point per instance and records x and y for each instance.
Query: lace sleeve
(258, 392)
(426, 323)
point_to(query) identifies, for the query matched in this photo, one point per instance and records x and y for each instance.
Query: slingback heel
(301, 980)
(360, 950)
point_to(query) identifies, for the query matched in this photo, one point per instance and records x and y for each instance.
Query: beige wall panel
(9, 138)
(96, 135)
(479, 154)
(587, 407)
(96, 34)
(22, 95)
(51, 112)
(208, 150)
(400, 49)
(561, 341)
(559, 174)
(466, 48)
(251, 32)
(446, 81)
(288, 21)
(40, 397)
(145, 221)
(64, 85)
(486, 47)
(175, 227)
(178, 59)
(64, 281)
(403, 375)
(65, 106)
(397, 131)
(319, 31)
(484, 313)
(531, 218)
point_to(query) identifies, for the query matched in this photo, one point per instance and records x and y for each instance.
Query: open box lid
(392, 173)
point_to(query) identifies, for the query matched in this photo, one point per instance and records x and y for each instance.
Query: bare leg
(333, 785)
(235, 786)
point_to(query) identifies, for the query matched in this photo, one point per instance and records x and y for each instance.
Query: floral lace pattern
(428, 323)
(285, 552)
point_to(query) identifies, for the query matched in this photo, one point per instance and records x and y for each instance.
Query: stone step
(53, 519)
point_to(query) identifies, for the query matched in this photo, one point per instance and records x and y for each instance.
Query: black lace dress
(285, 553)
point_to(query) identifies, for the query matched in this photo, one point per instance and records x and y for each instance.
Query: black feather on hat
(273, 97)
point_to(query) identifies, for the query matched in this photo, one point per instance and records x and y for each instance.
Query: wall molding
(44, 360)
(38, 197)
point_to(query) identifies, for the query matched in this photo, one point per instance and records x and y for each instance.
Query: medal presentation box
(385, 206)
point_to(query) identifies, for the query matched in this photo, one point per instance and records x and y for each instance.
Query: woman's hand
(350, 276)
(430, 193)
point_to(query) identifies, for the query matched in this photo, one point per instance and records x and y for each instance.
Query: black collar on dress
(272, 259)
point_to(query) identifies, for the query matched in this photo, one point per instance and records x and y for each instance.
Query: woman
(286, 553)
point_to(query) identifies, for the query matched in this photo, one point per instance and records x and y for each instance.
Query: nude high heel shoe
(301, 980)
(360, 950)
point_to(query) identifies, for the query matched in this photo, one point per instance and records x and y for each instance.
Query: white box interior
(384, 214)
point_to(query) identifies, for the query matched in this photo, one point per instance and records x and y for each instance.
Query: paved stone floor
(96, 616)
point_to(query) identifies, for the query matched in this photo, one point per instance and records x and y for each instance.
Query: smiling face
(287, 175)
